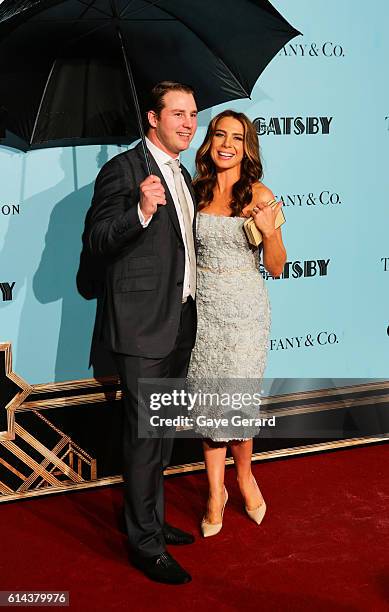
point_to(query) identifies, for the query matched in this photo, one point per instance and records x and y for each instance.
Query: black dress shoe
(162, 568)
(173, 535)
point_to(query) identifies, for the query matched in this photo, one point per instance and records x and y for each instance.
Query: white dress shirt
(162, 159)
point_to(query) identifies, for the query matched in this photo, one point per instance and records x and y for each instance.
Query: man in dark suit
(143, 228)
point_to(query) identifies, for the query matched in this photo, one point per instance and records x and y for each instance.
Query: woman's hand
(274, 253)
(265, 218)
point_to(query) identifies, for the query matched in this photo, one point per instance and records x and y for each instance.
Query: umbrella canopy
(63, 72)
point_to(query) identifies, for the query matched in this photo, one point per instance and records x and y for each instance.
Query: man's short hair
(156, 100)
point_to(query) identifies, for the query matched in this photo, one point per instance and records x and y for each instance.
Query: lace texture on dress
(233, 319)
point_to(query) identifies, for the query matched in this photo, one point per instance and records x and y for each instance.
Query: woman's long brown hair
(251, 168)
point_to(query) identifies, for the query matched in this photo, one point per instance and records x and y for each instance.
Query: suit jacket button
(180, 283)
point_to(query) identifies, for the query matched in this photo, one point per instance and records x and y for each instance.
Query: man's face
(176, 124)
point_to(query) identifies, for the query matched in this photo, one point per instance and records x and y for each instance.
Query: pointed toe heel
(257, 514)
(211, 529)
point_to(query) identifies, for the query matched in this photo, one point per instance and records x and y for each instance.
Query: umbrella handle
(136, 101)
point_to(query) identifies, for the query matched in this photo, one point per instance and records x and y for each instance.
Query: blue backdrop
(322, 112)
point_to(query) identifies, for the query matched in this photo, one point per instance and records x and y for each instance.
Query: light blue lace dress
(233, 322)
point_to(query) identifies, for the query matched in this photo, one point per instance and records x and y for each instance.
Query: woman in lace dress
(232, 302)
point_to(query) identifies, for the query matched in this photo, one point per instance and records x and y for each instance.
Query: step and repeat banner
(321, 109)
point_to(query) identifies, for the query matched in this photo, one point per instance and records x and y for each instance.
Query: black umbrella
(66, 65)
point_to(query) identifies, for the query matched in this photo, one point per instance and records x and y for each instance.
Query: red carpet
(323, 545)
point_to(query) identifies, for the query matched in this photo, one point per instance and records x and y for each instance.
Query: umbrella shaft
(135, 100)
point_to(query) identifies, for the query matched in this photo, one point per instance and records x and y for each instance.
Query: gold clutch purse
(253, 234)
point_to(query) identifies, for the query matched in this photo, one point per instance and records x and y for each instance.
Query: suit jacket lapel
(171, 209)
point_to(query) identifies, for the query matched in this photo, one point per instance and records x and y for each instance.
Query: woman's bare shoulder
(261, 193)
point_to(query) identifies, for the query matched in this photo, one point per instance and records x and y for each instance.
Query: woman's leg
(215, 457)
(242, 453)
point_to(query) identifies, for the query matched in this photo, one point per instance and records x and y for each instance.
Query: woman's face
(227, 146)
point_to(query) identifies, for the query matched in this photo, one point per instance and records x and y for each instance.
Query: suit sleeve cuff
(142, 219)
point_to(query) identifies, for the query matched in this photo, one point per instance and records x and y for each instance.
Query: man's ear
(152, 118)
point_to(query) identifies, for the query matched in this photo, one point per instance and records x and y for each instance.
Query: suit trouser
(144, 459)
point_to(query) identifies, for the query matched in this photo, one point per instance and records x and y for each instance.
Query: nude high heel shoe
(211, 529)
(258, 513)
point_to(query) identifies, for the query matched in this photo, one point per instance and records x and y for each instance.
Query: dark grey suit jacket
(139, 305)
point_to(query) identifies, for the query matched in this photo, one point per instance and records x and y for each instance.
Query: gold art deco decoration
(27, 465)
(15, 387)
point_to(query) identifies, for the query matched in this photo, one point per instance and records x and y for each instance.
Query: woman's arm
(274, 253)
